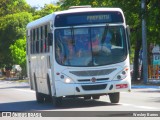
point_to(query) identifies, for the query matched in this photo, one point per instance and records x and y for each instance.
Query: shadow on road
(150, 91)
(81, 103)
(68, 103)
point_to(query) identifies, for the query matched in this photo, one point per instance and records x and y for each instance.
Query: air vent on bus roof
(84, 6)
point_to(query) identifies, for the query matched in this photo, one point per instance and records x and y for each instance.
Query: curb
(144, 86)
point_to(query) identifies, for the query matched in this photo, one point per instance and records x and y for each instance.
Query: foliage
(153, 22)
(13, 6)
(13, 19)
(14, 16)
(12, 27)
(18, 52)
(47, 9)
(65, 4)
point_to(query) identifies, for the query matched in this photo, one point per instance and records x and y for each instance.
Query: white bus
(79, 52)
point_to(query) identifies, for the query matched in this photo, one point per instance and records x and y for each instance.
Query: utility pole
(144, 43)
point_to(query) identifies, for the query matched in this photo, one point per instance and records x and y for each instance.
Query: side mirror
(50, 39)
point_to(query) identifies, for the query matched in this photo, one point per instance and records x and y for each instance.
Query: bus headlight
(68, 80)
(122, 75)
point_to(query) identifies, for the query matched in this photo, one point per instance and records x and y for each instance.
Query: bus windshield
(90, 46)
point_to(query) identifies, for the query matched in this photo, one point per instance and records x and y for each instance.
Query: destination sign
(98, 17)
(74, 19)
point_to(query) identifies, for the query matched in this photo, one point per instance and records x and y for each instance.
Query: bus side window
(41, 39)
(37, 40)
(33, 41)
(45, 43)
(37, 46)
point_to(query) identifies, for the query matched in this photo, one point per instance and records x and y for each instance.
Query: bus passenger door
(29, 59)
(50, 65)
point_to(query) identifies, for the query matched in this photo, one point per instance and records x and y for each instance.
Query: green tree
(153, 23)
(18, 53)
(12, 27)
(13, 19)
(65, 4)
(13, 6)
(47, 9)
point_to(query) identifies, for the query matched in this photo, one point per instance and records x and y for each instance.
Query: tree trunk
(136, 59)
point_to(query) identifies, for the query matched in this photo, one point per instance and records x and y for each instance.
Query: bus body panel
(112, 84)
(70, 89)
(44, 64)
(37, 63)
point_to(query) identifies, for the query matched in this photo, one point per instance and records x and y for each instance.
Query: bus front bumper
(76, 89)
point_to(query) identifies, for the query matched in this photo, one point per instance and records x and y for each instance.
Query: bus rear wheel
(57, 101)
(40, 97)
(114, 97)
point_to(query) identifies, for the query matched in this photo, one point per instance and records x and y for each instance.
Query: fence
(154, 72)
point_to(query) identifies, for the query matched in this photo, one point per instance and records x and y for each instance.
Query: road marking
(137, 106)
(25, 90)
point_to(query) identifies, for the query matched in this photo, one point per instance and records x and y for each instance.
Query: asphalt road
(18, 97)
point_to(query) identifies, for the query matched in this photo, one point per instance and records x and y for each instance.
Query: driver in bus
(98, 45)
(106, 45)
(69, 49)
(82, 46)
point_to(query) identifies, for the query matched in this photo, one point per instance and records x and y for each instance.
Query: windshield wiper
(104, 33)
(72, 35)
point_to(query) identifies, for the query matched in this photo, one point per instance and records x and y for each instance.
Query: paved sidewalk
(145, 86)
(12, 83)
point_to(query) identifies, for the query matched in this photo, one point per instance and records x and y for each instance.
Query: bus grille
(97, 80)
(93, 72)
(94, 87)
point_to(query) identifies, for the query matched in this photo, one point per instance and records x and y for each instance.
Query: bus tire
(87, 97)
(35, 83)
(114, 97)
(40, 97)
(48, 98)
(95, 97)
(57, 101)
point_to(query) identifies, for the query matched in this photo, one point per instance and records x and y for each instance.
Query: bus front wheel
(95, 97)
(114, 97)
(57, 101)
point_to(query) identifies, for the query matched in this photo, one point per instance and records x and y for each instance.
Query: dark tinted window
(88, 18)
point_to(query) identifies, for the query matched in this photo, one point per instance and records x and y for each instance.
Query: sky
(39, 3)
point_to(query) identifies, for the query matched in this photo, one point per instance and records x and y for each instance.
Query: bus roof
(50, 17)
